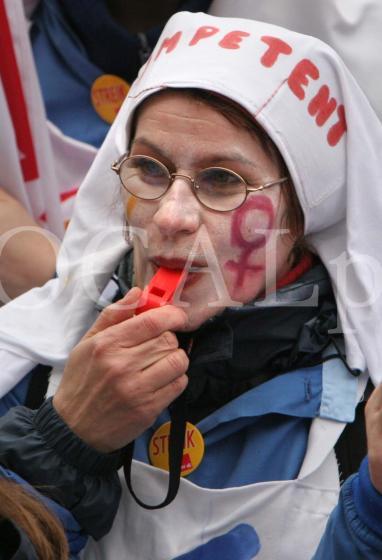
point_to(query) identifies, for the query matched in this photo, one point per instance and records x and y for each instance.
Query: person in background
(28, 255)
(78, 46)
(86, 55)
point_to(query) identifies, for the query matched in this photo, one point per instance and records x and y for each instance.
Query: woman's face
(236, 255)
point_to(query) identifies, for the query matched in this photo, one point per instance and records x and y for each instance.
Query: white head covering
(299, 91)
(352, 28)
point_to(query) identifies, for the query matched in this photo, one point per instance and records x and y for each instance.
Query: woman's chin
(199, 314)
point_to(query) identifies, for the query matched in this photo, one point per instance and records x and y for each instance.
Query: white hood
(331, 140)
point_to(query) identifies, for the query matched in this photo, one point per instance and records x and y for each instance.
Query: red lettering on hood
(338, 130)
(203, 33)
(322, 106)
(170, 43)
(299, 77)
(276, 47)
(233, 39)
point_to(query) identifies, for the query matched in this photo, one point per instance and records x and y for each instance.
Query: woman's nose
(179, 210)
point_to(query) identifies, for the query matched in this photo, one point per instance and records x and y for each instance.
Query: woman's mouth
(191, 268)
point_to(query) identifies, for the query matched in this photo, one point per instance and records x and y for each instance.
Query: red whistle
(160, 289)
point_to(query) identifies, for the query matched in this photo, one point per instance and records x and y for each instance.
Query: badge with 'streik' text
(193, 450)
(108, 92)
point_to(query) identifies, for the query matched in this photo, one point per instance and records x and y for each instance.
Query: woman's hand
(373, 413)
(123, 373)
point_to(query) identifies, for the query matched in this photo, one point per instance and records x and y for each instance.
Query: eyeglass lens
(215, 187)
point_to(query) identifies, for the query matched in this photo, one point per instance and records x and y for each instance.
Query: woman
(83, 76)
(210, 187)
(76, 47)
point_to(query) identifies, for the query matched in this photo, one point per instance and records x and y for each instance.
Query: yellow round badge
(193, 450)
(107, 94)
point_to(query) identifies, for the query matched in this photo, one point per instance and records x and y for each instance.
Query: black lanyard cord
(175, 447)
(178, 416)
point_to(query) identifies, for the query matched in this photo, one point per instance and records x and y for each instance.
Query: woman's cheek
(251, 227)
(130, 206)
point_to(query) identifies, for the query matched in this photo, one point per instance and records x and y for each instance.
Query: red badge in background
(107, 94)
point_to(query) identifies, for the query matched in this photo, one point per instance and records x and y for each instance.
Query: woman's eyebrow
(145, 142)
(205, 159)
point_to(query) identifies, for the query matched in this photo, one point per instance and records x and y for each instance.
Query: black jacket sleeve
(40, 447)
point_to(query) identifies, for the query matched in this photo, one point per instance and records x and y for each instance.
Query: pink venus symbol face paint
(249, 239)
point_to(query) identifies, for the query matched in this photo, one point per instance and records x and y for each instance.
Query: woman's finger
(146, 326)
(141, 385)
(151, 351)
(116, 312)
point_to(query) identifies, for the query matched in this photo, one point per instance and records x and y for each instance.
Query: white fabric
(289, 516)
(338, 186)
(61, 162)
(14, 368)
(351, 27)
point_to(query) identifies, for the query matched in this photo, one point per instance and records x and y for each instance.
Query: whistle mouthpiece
(160, 290)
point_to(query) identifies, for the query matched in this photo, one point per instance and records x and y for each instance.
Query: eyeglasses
(215, 188)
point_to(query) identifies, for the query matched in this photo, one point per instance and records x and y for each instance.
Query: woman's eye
(224, 178)
(218, 178)
(149, 168)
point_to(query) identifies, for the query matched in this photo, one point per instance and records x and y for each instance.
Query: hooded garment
(352, 28)
(305, 98)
